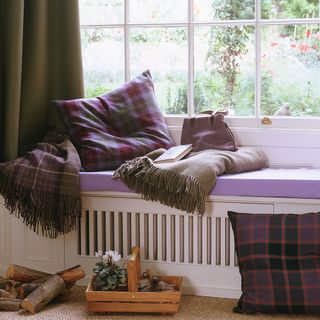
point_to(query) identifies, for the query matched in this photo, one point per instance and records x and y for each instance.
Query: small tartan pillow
(120, 125)
(279, 262)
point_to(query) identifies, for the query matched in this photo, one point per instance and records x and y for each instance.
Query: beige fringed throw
(43, 186)
(185, 183)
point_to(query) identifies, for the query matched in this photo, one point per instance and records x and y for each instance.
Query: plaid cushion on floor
(120, 125)
(279, 261)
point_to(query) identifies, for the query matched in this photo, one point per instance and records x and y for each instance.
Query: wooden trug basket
(132, 300)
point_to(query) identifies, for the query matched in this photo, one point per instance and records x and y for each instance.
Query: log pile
(31, 289)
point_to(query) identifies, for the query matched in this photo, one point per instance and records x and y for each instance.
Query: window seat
(270, 182)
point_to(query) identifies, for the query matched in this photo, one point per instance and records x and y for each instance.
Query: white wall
(284, 147)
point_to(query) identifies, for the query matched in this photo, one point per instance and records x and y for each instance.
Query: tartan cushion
(119, 125)
(279, 262)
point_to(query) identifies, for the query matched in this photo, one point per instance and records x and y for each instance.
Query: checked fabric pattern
(120, 125)
(279, 262)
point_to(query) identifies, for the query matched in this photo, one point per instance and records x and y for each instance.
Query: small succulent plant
(109, 276)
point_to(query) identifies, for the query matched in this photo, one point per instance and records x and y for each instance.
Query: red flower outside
(308, 33)
(304, 47)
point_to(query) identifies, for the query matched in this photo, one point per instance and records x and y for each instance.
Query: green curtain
(40, 60)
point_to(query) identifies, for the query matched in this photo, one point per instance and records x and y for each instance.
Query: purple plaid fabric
(279, 262)
(120, 125)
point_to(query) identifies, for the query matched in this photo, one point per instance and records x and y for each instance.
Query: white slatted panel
(168, 238)
(141, 235)
(222, 241)
(186, 239)
(195, 238)
(173, 238)
(159, 237)
(150, 236)
(108, 231)
(232, 249)
(218, 241)
(204, 240)
(100, 230)
(133, 229)
(83, 233)
(125, 232)
(116, 232)
(177, 238)
(91, 234)
(227, 242)
(213, 241)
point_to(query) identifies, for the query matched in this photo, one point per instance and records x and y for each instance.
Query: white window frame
(234, 121)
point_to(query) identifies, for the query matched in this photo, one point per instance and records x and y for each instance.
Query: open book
(174, 154)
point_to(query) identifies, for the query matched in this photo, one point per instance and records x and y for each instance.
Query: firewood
(10, 305)
(72, 274)
(26, 288)
(7, 295)
(41, 296)
(2, 283)
(12, 287)
(22, 274)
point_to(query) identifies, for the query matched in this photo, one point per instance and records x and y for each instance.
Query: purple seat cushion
(279, 262)
(283, 183)
(120, 125)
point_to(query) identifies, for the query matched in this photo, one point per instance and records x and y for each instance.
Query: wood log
(10, 305)
(22, 274)
(2, 283)
(72, 274)
(26, 288)
(13, 287)
(7, 295)
(41, 296)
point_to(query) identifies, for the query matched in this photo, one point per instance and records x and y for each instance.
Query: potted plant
(108, 275)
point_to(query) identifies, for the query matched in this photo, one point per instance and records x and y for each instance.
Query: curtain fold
(40, 58)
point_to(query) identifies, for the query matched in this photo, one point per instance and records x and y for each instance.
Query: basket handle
(134, 270)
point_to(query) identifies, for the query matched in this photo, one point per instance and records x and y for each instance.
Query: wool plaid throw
(43, 186)
(184, 184)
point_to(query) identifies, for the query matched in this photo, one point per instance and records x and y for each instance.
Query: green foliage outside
(289, 68)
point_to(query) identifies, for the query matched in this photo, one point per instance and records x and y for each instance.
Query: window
(255, 57)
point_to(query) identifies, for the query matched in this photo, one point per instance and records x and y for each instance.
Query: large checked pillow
(120, 125)
(279, 261)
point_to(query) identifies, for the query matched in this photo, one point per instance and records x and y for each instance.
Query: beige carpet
(191, 308)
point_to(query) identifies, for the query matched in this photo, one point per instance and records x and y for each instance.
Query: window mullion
(126, 41)
(258, 60)
(190, 59)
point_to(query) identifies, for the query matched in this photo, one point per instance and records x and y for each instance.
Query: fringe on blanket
(183, 192)
(40, 210)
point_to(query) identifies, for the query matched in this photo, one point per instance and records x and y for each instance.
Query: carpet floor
(191, 308)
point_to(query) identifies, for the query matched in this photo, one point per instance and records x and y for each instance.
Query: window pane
(164, 52)
(101, 11)
(158, 10)
(103, 59)
(275, 9)
(208, 10)
(224, 69)
(291, 70)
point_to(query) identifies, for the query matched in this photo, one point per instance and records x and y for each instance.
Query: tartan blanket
(184, 184)
(43, 186)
